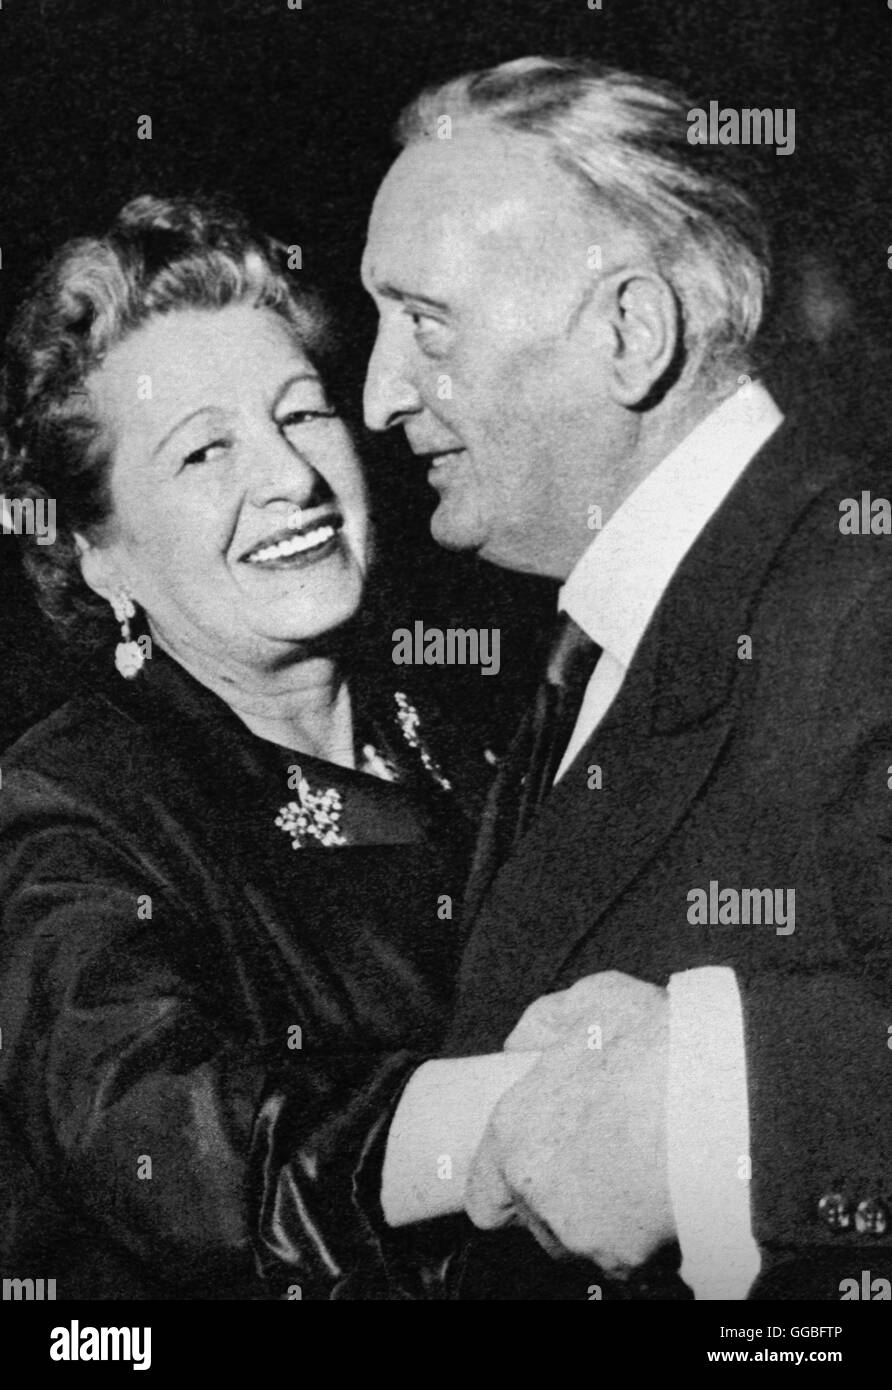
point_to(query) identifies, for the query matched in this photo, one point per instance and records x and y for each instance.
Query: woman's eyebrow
(293, 381)
(215, 409)
(201, 410)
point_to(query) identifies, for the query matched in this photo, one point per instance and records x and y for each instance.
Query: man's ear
(97, 568)
(644, 316)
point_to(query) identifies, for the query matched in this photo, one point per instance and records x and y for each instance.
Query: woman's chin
(302, 627)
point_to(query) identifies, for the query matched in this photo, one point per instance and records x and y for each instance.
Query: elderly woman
(226, 870)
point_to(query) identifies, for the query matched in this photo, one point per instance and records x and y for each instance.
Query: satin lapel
(656, 748)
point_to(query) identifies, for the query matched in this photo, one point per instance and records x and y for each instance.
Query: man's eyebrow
(389, 291)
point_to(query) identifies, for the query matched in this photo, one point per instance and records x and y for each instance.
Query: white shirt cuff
(708, 1139)
(437, 1129)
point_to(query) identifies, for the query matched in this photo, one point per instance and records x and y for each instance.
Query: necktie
(528, 769)
(571, 660)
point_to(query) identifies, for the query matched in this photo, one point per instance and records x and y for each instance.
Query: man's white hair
(625, 138)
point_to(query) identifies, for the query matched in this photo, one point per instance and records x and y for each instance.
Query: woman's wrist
(436, 1130)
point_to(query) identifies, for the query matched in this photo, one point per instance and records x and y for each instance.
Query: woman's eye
(303, 417)
(206, 453)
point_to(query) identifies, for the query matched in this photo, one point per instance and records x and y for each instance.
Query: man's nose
(390, 395)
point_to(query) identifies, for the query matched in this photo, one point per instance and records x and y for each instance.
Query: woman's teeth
(294, 545)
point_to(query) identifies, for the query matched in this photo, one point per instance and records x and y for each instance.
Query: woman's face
(219, 429)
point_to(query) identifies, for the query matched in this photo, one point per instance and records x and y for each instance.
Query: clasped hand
(576, 1150)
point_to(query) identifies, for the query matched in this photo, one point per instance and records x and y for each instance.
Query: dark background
(289, 112)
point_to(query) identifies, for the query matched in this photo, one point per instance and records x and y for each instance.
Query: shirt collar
(615, 587)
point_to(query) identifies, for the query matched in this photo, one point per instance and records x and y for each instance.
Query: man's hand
(576, 1150)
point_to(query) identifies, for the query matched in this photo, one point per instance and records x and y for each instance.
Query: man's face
(479, 259)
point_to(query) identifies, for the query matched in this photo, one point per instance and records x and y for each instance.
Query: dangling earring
(129, 655)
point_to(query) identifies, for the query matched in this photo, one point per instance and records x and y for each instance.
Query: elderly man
(682, 886)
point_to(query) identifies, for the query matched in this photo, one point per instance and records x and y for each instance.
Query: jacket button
(833, 1210)
(871, 1217)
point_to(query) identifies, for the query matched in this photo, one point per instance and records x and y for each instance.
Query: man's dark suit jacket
(769, 770)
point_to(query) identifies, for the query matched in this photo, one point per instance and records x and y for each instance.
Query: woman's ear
(645, 318)
(97, 568)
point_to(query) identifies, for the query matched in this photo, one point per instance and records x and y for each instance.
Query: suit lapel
(586, 848)
(656, 748)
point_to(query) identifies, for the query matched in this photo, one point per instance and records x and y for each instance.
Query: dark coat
(761, 768)
(205, 1030)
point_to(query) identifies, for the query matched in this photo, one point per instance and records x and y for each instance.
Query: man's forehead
(481, 187)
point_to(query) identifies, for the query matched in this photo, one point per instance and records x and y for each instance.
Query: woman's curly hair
(158, 256)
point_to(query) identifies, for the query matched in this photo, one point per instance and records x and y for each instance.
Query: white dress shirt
(613, 593)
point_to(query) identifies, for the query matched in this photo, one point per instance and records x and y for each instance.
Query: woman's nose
(276, 469)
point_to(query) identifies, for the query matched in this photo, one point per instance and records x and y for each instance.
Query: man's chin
(454, 531)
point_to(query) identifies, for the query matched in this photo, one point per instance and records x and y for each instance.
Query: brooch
(317, 815)
(314, 816)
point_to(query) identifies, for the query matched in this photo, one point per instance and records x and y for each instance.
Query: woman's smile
(294, 547)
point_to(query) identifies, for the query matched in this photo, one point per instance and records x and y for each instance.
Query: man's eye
(422, 321)
(429, 333)
(206, 453)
